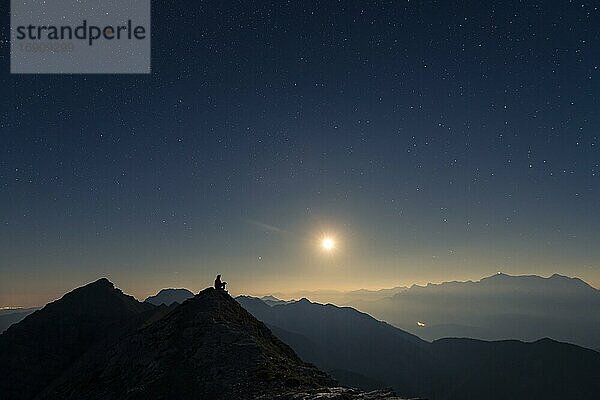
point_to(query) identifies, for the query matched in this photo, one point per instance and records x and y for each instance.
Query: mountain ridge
(115, 347)
(500, 306)
(434, 370)
(209, 335)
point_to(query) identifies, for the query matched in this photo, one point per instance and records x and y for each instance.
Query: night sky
(433, 140)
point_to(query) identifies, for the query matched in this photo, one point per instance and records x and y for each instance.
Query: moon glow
(327, 244)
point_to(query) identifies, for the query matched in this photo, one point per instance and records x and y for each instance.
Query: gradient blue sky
(435, 140)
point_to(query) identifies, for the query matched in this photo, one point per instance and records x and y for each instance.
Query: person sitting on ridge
(218, 284)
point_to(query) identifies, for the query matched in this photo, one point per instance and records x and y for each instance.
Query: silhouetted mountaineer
(218, 284)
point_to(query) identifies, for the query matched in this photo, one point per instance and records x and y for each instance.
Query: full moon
(328, 244)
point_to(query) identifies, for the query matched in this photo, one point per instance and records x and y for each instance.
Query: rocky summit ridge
(207, 347)
(98, 343)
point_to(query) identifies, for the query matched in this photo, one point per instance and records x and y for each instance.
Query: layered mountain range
(501, 306)
(361, 351)
(98, 343)
(498, 307)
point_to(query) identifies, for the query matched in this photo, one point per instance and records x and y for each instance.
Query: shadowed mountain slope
(208, 347)
(97, 343)
(37, 349)
(511, 369)
(345, 341)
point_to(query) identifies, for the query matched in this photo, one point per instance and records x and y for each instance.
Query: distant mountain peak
(170, 296)
(269, 297)
(563, 280)
(503, 276)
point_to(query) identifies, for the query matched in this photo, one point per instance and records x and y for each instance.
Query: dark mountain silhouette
(208, 347)
(164, 296)
(170, 296)
(347, 341)
(36, 350)
(97, 343)
(511, 369)
(495, 308)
